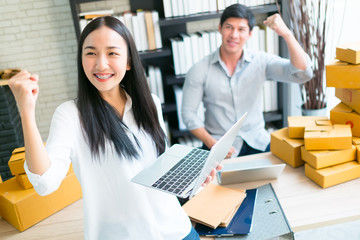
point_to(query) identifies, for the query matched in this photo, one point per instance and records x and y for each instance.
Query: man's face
(235, 32)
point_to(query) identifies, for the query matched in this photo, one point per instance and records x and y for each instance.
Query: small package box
(330, 176)
(351, 97)
(285, 148)
(24, 208)
(349, 52)
(334, 137)
(297, 124)
(342, 75)
(0, 179)
(16, 163)
(342, 114)
(23, 180)
(325, 158)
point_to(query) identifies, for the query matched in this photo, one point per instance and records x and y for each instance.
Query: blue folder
(241, 222)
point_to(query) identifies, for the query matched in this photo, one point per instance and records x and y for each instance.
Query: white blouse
(114, 207)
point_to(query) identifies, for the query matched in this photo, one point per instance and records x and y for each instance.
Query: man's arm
(297, 54)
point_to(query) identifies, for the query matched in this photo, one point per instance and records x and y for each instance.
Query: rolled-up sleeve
(193, 91)
(282, 70)
(59, 146)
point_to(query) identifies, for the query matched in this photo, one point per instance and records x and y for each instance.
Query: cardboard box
(351, 97)
(0, 179)
(24, 208)
(297, 124)
(330, 176)
(328, 138)
(342, 114)
(356, 140)
(342, 75)
(326, 158)
(349, 52)
(285, 148)
(358, 152)
(16, 163)
(23, 180)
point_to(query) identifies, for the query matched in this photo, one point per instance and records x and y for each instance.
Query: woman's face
(105, 59)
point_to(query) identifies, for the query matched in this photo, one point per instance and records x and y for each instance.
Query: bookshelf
(170, 28)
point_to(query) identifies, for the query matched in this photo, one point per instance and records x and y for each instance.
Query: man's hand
(276, 23)
(212, 174)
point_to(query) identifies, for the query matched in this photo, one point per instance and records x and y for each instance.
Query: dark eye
(113, 54)
(89, 53)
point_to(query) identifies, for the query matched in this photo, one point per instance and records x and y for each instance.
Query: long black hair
(100, 121)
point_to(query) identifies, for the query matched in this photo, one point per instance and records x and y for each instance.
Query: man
(230, 80)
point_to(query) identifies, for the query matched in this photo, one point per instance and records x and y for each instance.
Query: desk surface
(305, 204)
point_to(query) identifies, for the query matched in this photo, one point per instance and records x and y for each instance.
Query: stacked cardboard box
(326, 149)
(21, 206)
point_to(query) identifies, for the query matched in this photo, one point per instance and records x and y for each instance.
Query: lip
(103, 77)
(232, 43)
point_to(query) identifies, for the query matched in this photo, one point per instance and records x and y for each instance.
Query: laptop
(181, 170)
(252, 170)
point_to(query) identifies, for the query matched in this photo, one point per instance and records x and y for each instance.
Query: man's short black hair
(238, 11)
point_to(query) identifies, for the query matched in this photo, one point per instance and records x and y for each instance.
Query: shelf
(211, 15)
(86, 1)
(175, 79)
(162, 52)
(168, 107)
(272, 116)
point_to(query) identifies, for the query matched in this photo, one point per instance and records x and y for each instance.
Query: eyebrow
(93, 48)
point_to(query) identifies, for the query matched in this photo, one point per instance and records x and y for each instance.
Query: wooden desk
(305, 204)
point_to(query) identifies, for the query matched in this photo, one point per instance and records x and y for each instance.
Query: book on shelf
(154, 79)
(175, 53)
(128, 22)
(157, 33)
(136, 31)
(149, 23)
(142, 29)
(167, 8)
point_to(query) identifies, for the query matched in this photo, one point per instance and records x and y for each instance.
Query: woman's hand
(212, 174)
(25, 88)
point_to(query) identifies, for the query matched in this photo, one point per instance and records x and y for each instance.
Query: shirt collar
(244, 58)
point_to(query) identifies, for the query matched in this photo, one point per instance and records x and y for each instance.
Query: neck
(230, 59)
(117, 100)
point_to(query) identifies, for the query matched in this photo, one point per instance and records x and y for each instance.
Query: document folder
(269, 220)
(241, 222)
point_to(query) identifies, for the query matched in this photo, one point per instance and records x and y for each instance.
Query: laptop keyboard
(179, 177)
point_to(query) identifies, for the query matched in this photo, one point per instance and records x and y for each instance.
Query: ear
(250, 33)
(128, 67)
(219, 28)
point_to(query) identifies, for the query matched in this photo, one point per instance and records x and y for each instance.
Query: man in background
(229, 82)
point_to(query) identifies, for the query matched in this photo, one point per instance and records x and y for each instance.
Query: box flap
(356, 140)
(341, 107)
(323, 123)
(211, 206)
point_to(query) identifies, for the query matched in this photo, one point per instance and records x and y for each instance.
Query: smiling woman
(110, 132)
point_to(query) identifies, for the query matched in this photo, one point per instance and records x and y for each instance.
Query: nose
(102, 62)
(235, 33)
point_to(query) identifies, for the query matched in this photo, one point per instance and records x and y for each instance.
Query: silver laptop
(252, 170)
(181, 170)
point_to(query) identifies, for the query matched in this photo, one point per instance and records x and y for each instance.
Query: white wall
(39, 36)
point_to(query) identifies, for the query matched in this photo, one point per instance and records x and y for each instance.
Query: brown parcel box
(285, 148)
(349, 52)
(330, 176)
(342, 114)
(342, 75)
(16, 163)
(334, 137)
(297, 124)
(23, 180)
(213, 204)
(325, 158)
(351, 97)
(24, 208)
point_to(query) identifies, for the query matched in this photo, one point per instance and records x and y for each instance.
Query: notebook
(181, 170)
(248, 171)
(241, 223)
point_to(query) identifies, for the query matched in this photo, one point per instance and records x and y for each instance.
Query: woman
(110, 132)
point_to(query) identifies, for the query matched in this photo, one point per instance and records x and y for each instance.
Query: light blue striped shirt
(226, 98)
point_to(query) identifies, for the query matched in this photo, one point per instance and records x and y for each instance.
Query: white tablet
(252, 170)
